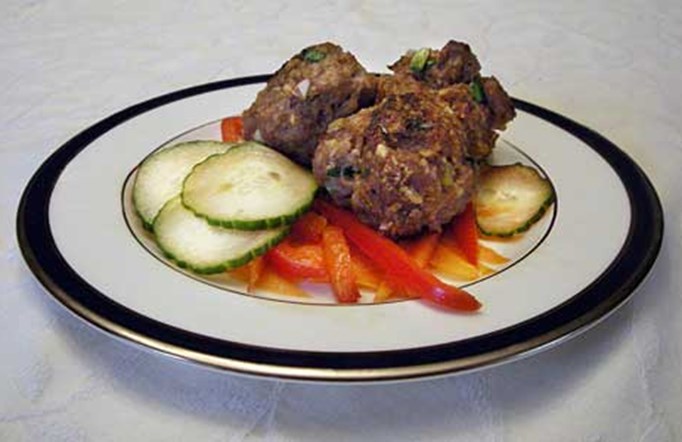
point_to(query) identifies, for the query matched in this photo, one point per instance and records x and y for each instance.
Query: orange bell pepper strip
(464, 232)
(366, 273)
(298, 261)
(270, 280)
(256, 267)
(490, 256)
(231, 129)
(339, 266)
(450, 262)
(396, 263)
(384, 292)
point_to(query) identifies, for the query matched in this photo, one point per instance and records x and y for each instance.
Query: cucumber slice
(249, 187)
(194, 244)
(159, 177)
(510, 199)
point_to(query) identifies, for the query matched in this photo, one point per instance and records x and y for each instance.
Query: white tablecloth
(614, 66)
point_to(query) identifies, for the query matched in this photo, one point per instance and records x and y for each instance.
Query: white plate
(586, 257)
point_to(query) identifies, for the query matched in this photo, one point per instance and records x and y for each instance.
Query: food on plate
(316, 86)
(400, 166)
(299, 259)
(159, 178)
(511, 198)
(339, 266)
(248, 187)
(453, 72)
(395, 149)
(454, 63)
(364, 182)
(465, 234)
(462, 103)
(398, 266)
(232, 129)
(233, 182)
(193, 243)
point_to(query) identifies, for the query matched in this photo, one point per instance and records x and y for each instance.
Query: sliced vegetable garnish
(299, 261)
(193, 243)
(273, 282)
(366, 273)
(268, 280)
(160, 176)
(249, 187)
(231, 129)
(308, 228)
(490, 256)
(337, 260)
(256, 267)
(509, 199)
(450, 262)
(396, 263)
(465, 233)
(421, 250)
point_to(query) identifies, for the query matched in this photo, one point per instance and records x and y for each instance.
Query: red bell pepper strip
(339, 266)
(308, 228)
(298, 261)
(397, 264)
(421, 251)
(465, 234)
(231, 129)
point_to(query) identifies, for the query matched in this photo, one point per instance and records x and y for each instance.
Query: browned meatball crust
(400, 165)
(498, 103)
(316, 86)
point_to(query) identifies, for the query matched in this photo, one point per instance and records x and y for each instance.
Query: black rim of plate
(611, 289)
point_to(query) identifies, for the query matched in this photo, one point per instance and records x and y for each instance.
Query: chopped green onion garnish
(476, 89)
(447, 178)
(313, 55)
(419, 60)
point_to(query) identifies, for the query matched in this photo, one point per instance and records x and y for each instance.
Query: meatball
(400, 165)
(474, 117)
(479, 102)
(315, 87)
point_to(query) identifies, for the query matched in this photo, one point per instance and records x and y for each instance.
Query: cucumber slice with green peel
(249, 187)
(194, 244)
(159, 178)
(510, 199)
